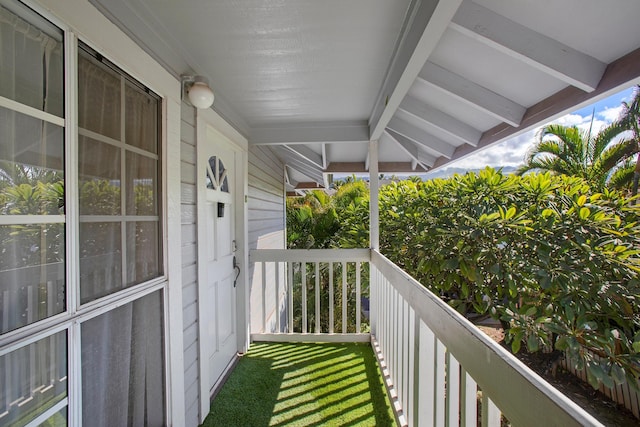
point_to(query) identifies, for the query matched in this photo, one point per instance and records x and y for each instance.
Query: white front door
(217, 247)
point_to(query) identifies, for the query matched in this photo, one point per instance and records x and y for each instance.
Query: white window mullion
(113, 218)
(123, 183)
(72, 213)
(74, 374)
(30, 111)
(102, 138)
(48, 413)
(71, 171)
(31, 219)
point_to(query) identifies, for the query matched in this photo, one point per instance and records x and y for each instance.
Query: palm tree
(630, 120)
(567, 150)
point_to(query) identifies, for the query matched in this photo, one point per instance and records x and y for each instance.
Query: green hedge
(557, 263)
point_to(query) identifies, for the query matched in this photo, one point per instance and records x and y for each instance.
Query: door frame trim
(209, 119)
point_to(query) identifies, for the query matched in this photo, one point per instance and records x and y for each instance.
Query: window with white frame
(105, 227)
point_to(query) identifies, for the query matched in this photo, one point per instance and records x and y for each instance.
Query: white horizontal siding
(192, 386)
(189, 264)
(190, 291)
(266, 223)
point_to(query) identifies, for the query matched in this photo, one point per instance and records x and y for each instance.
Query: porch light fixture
(198, 91)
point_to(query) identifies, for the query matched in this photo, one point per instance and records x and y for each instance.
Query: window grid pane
(31, 65)
(99, 178)
(120, 177)
(99, 93)
(33, 379)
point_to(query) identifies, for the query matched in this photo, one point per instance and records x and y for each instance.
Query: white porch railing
(441, 369)
(329, 304)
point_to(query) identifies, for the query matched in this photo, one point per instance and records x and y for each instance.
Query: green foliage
(321, 221)
(30, 191)
(555, 260)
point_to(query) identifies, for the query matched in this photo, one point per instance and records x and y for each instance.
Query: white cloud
(507, 153)
(610, 114)
(572, 120)
(512, 152)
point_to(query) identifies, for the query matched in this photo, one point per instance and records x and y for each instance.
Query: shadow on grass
(284, 384)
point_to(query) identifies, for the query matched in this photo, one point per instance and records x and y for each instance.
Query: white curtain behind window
(31, 169)
(123, 366)
(31, 65)
(32, 282)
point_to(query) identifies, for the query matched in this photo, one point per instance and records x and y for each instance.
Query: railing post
(331, 298)
(427, 382)
(453, 391)
(490, 412)
(373, 299)
(317, 297)
(264, 297)
(468, 405)
(290, 297)
(358, 297)
(345, 297)
(303, 268)
(277, 298)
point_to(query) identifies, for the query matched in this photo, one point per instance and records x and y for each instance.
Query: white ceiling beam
(472, 94)
(325, 179)
(408, 147)
(312, 174)
(286, 175)
(291, 183)
(620, 74)
(441, 121)
(307, 154)
(383, 167)
(308, 175)
(427, 159)
(533, 48)
(309, 133)
(324, 156)
(423, 157)
(297, 163)
(424, 26)
(420, 136)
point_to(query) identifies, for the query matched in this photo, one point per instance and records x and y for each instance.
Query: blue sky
(513, 151)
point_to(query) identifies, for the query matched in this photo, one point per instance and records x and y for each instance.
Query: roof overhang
(431, 81)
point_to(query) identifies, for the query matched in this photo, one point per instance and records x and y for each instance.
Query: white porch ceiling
(432, 80)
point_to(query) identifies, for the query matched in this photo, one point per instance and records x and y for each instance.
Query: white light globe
(200, 95)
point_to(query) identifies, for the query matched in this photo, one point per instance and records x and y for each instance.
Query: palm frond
(615, 154)
(606, 135)
(622, 176)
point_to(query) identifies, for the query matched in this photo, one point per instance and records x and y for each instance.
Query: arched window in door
(217, 175)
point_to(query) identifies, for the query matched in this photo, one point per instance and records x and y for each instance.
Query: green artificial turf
(303, 384)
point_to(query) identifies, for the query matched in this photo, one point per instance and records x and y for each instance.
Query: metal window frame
(76, 314)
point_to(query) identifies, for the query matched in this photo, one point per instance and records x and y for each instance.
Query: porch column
(374, 214)
(374, 231)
